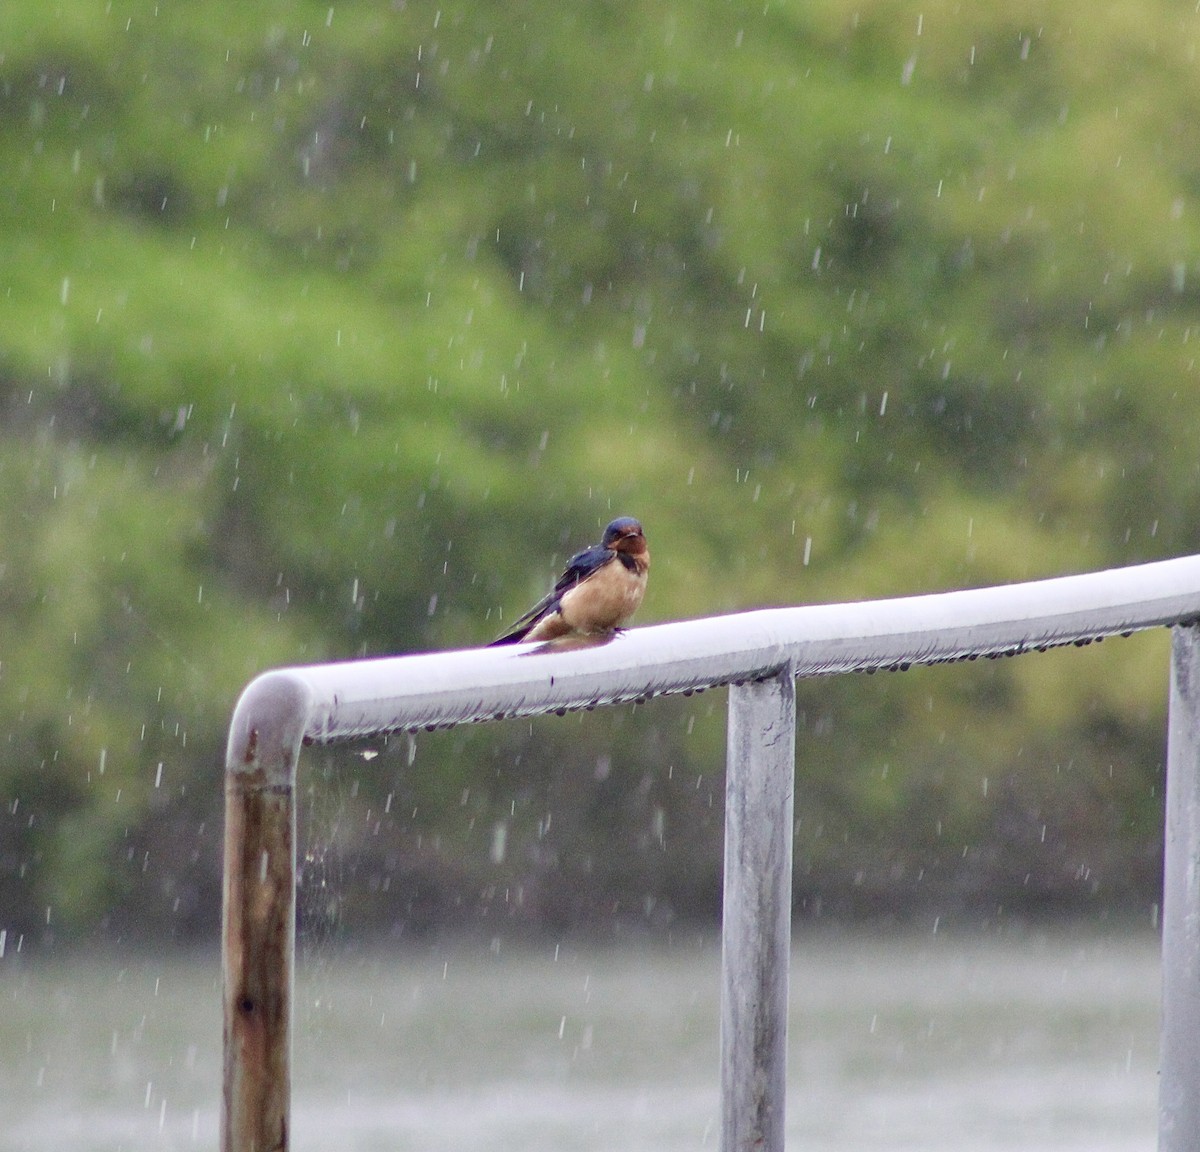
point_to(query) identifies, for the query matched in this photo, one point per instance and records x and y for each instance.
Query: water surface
(936, 1043)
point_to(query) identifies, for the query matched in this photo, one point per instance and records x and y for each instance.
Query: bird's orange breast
(606, 599)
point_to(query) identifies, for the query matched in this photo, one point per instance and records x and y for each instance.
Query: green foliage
(332, 330)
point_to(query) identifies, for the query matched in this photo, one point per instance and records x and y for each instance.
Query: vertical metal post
(757, 918)
(1179, 1080)
(259, 913)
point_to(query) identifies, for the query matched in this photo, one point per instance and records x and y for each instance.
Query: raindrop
(499, 842)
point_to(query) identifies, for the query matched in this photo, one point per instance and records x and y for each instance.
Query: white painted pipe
(759, 652)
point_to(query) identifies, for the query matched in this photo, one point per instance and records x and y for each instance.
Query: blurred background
(331, 330)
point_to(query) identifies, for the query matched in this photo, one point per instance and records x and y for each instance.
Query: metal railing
(759, 655)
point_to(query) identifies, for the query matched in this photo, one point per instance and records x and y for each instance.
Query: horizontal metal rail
(368, 697)
(761, 652)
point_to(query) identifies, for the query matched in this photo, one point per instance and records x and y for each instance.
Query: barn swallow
(599, 590)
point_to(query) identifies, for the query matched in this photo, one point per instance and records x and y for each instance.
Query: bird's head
(625, 535)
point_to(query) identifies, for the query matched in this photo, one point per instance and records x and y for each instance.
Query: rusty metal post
(756, 930)
(258, 914)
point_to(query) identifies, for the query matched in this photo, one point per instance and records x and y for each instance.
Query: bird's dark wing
(519, 629)
(578, 569)
(581, 566)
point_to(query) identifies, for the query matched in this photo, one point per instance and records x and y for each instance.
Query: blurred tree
(333, 330)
